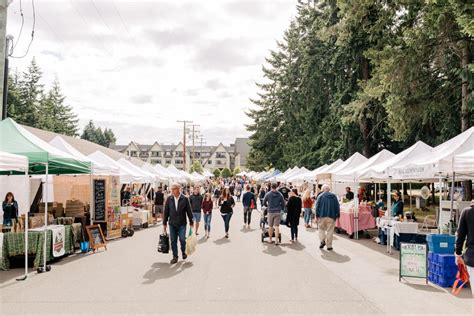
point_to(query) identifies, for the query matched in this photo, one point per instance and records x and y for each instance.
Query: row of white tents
(419, 162)
(101, 164)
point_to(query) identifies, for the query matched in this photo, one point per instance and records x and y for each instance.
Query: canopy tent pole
(439, 212)
(410, 198)
(45, 267)
(356, 212)
(389, 197)
(26, 229)
(450, 230)
(91, 197)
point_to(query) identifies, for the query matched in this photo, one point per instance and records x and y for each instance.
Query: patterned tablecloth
(14, 244)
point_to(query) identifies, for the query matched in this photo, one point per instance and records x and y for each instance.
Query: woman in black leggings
(294, 211)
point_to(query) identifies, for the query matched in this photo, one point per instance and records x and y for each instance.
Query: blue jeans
(307, 215)
(197, 216)
(207, 222)
(226, 218)
(175, 232)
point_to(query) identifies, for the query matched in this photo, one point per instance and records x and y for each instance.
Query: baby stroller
(263, 223)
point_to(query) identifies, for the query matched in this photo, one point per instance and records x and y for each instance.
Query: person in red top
(307, 206)
(207, 206)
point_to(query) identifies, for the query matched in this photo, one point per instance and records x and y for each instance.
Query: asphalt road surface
(239, 275)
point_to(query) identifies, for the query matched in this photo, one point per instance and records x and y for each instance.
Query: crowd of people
(179, 206)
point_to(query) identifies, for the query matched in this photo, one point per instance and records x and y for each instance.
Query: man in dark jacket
(247, 199)
(327, 212)
(196, 202)
(466, 233)
(177, 207)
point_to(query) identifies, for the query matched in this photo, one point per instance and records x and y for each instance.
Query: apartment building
(211, 157)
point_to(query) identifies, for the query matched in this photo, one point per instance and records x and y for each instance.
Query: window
(133, 153)
(178, 154)
(220, 155)
(168, 162)
(156, 154)
(178, 161)
(168, 154)
(209, 162)
(143, 153)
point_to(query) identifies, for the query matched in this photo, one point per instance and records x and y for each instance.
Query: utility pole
(201, 138)
(184, 142)
(193, 137)
(3, 53)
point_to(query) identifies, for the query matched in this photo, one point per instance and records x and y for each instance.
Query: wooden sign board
(96, 237)
(99, 200)
(413, 261)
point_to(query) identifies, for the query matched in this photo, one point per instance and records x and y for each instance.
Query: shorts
(158, 209)
(274, 219)
(197, 216)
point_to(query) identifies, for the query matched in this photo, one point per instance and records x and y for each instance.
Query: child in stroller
(263, 225)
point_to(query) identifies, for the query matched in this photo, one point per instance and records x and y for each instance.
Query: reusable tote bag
(190, 242)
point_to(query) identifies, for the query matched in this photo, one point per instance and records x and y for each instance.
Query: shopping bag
(462, 277)
(283, 218)
(164, 243)
(191, 242)
(252, 204)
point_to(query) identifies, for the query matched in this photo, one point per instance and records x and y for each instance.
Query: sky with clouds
(138, 66)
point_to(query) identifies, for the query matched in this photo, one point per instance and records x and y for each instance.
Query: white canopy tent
(98, 169)
(178, 174)
(207, 173)
(432, 165)
(198, 177)
(352, 162)
(282, 176)
(295, 173)
(462, 163)
(147, 177)
(173, 177)
(380, 172)
(126, 175)
(14, 163)
(307, 176)
(159, 176)
(352, 174)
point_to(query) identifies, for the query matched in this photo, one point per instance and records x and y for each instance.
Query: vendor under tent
(42, 158)
(11, 164)
(126, 175)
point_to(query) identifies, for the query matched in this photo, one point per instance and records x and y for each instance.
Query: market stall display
(346, 219)
(14, 244)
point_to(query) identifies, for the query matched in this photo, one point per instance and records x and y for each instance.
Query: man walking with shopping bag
(465, 234)
(177, 207)
(327, 212)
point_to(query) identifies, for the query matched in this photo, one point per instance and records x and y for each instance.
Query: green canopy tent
(43, 159)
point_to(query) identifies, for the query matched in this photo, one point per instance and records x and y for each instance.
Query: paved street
(239, 275)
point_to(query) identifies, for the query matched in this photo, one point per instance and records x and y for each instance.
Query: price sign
(99, 200)
(413, 261)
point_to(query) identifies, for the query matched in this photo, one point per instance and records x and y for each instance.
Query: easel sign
(96, 237)
(413, 261)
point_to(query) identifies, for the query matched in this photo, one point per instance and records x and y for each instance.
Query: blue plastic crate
(433, 278)
(431, 256)
(441, 243)
(445, 259)
(445, 281)
(445, 271)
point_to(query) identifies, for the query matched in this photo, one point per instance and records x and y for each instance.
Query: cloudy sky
(138, 66)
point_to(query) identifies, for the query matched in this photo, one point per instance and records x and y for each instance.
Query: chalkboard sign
(96, 237)
(99, 200)
(413, 261)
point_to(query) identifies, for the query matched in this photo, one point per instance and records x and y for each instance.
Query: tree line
(29, 103)
(363, 76)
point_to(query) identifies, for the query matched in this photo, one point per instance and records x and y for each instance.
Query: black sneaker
(184, 256)
(174, 260)
(321, 246)
(329, 248)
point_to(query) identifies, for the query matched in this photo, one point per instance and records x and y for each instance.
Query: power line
(105, 23)
(21, 27)
(32, 31)
(121, 19)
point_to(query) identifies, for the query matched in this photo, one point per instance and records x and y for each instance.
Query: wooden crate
(74, 208)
